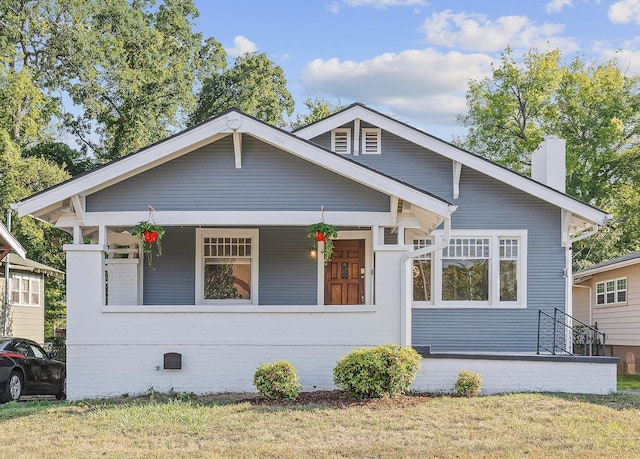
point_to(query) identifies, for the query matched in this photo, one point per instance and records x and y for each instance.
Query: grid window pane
(227, 268)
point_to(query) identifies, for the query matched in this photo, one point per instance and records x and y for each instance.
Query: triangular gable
(583, 215)
(68, 196)
(7, 240)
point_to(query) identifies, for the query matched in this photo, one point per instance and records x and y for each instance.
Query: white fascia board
(602, 269)
(6, 236)
(349, 169)
(128, 166)
(210, 132)
(227, 218)
(455, 154)
(331, 122)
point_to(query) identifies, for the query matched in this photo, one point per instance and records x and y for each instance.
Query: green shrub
(469, 384)
(277, 380)
(383, 371)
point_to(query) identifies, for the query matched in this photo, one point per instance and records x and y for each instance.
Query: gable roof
(615, 263)
(6, 238)
(52, 203)
(584, 215)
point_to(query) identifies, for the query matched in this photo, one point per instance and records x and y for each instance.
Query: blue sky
(412, 59)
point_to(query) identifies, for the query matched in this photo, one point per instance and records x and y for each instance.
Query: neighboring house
(23, 315)
(607, 296)
(436, 247)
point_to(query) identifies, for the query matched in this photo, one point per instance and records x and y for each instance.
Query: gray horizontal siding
(287, 273)
(206, 179)
(171, 278)
(484, 203)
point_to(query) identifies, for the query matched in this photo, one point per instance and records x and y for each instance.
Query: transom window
(473, 271)
(25, 290)
(227, 266)
(613, 291)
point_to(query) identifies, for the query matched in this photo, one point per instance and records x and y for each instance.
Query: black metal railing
(554, 331)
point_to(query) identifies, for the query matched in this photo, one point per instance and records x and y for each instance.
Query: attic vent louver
(371, 139)
(341, 141)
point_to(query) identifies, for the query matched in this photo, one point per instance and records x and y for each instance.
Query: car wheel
(13, 389)
(62, 392)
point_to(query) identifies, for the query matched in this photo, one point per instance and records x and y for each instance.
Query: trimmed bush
(383, 371)
(469, 384)
(277, 380)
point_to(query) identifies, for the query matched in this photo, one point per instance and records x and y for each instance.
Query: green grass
(513, 425)
(628, 382)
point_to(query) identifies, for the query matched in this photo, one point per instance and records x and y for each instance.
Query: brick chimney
(548, 164)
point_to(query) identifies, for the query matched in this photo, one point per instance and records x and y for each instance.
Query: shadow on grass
(618, 401)
(14, 410)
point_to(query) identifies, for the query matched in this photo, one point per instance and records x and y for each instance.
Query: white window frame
(202, 233)
(378, 134)
(615, 292)
(35, 284)
(494, 271)
(343, 131)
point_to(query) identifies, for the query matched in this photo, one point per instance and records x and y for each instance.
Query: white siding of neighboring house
(620, 322)
(26, 321)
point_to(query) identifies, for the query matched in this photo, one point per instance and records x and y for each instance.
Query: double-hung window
(476, 269)
(613, 291)
(227, 266)
(25, 290)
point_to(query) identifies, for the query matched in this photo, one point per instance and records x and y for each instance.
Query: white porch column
(390, 291)
(85, 297)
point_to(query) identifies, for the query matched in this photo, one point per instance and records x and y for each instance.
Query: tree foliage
(133, 71)
(254, 84)
(595, 107)
(318, 109)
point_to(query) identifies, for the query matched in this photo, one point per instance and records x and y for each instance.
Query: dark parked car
(27, 369)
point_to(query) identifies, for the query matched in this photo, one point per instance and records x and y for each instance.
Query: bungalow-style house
(437, 248)
(607, 296)
(23, 313)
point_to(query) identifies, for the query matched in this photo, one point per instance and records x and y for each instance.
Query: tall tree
(508, 112)
(253, 84)
(596, 108)
(135, 72)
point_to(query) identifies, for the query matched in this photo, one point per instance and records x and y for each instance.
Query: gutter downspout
(5, 305)
(586, 234)
(569, 283)
(405, 278)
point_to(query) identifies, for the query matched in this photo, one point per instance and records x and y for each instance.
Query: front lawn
(514, 425)
(628, 382)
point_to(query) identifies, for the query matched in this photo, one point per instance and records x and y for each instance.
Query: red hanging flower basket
(150, 236)
(319, 237)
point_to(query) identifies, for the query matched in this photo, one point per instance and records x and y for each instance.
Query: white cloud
(628, 59)
(476, 32)
(418, 84)
(334, 6)
(625, 11)
(556, 6)
(241, 46)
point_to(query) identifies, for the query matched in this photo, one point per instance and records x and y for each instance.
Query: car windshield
(4, 342)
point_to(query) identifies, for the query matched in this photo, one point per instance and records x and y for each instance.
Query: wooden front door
(344, 274)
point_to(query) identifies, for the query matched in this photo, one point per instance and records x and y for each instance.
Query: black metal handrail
(552, 337)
